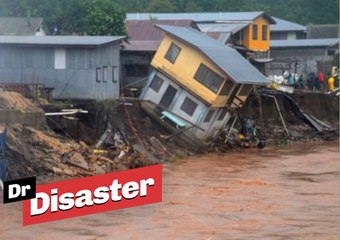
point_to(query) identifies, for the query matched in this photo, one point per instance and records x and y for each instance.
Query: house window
(254, 31)
(156, 83)
(208, 117)
(98, 74)
(245, 90)
(189, 106)
(105, 75)
(137, 70)
(114, 78)
(264, 32)
(228, 85)
(208, 78)
(172, 53)
(330, 52)
(222, 115)
(59, 58)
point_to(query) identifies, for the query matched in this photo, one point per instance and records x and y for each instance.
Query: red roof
(142, 33)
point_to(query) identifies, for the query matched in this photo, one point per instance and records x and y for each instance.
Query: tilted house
(77, 67)
(144, 40)
(196, 83)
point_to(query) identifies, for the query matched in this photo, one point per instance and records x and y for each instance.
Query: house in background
(286, 30)
(303, 56)
(76, 67)
(248, 32)
(317, 31)
(144, 40)
(22, 26)
(196, 83)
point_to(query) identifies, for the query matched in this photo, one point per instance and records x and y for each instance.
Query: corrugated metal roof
(149, 46)
(19, 26)
(145, 37)
(140, 30)
(227, 59)
(60, 40)
(202, 17)
(323, 31)
(301, 43)
(284, 25)
(221, 27)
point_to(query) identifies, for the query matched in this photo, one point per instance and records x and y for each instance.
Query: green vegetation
(106, 17)
(299, 11)
(90, 17)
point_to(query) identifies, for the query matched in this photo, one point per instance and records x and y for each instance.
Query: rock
(78, 160)
(98, 169)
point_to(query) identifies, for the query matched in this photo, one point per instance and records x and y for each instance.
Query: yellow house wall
(184, 69)
(259, 44)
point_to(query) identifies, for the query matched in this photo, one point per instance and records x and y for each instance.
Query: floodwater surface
(275, 193)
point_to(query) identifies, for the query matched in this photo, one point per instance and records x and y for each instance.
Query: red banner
(83, 196)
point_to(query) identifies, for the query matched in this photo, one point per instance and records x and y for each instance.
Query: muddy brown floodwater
(285, 193)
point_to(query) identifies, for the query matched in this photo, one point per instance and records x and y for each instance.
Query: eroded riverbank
(276, 193)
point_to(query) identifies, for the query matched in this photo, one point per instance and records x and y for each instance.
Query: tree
(160, 6)
(104, 17)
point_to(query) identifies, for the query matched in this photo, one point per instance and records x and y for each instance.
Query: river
(283, 193)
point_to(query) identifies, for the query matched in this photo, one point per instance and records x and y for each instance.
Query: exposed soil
(263, 111)
(135, 140)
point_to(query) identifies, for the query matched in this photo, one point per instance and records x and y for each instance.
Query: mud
(276, 193)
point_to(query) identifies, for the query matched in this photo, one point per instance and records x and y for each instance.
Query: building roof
(227, 59)
(231, 27)
(143, 36)
(222, 31)
(284, 25)
(142, 46)
(89, 41)
(202, 16)
(144, 29)
(304, 43)
(323, 31)
(19, 26)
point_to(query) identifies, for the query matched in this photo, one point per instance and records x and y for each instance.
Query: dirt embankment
(262, 109)
(34, 150)
(119, 135)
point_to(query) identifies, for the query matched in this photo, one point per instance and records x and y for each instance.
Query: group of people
(314, 81)
(320, 82)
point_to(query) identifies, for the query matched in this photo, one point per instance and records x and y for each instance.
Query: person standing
(330, 82)
(321, 79)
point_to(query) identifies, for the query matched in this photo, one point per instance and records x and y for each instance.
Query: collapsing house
(195, 85)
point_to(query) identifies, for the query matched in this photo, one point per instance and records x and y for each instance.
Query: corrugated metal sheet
(144, 29)
(145, 37)
(19, 26)
(149, 46)
(227, 59)
(283, 25)
(323, 31)
(221, 27)
(60, 40)
(304, 43)
(201, 17)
